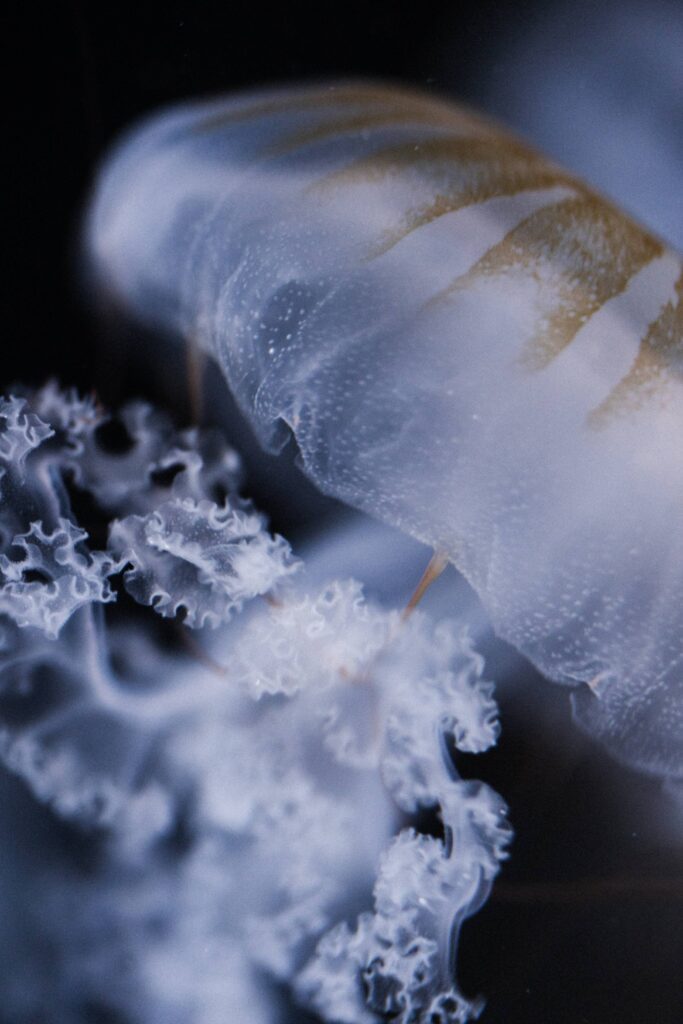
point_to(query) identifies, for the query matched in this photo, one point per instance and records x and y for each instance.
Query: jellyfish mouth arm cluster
(256, 824)
(466, 342)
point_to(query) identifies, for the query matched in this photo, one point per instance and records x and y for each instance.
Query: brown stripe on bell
(659, 356)
(329, 98)
(584, 252)
(451, 173)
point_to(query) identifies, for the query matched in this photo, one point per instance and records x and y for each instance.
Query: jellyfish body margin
(464, 339)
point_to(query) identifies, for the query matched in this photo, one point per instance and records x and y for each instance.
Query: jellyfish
(464, 341)
(610, 120)
(253, 821)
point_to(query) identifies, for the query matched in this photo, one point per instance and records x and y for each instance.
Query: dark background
(83, 71)
(585, 926)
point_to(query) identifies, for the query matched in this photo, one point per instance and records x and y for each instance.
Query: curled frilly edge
(288, 752)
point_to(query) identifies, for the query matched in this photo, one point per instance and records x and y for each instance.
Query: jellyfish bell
(465, 342)
(608, 119)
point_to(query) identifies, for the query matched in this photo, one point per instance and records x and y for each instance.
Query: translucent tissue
(247, 802)
(464, 340)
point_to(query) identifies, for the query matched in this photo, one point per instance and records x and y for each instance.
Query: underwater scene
(341, 516)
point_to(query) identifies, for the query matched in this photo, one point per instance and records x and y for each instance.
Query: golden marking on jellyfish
(660, 350)
(324, 98)
(436, 565)
(420, 115)
(487, 169)
(455, 171)
(197, 652)
(582, 251)
(440, 160)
